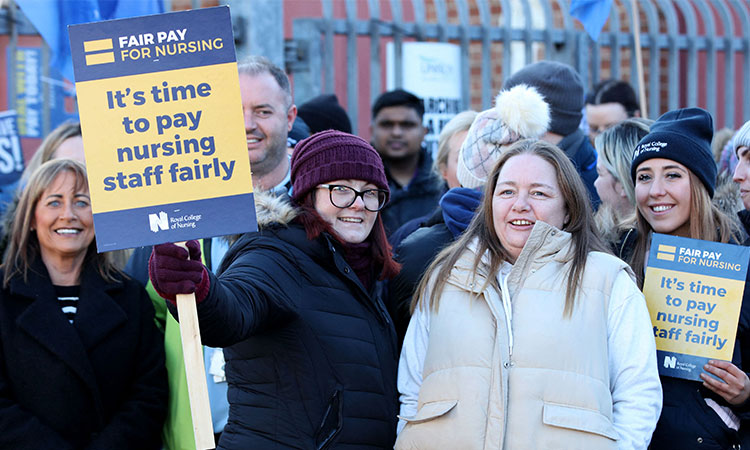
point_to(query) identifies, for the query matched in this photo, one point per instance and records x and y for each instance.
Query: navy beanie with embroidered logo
(683, 135)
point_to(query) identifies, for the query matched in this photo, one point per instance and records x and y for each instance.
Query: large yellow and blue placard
(163, 129)
(694, 290)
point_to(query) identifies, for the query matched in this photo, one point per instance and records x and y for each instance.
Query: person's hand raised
(174, 270)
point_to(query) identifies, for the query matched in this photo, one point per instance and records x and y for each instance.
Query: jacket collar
(424, 179)
(545, 244)
(572, 142)
(97, 316)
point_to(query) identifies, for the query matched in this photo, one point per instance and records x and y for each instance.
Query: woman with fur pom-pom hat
(519, 113)
(526, 332)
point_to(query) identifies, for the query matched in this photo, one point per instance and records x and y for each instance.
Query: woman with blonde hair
(526, 333)
(449, 143)
(675, 178)
(615, 188)
(82, 363)
(63, 142)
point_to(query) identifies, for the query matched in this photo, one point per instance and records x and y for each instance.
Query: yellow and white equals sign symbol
(98, 52)
(666, 252)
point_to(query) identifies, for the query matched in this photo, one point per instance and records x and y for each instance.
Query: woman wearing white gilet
(526, 333)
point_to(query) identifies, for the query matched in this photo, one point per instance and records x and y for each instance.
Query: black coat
(97, 384)
(415, 254)
(687, 422)
(583, 155)
(417, 199)
(744, 217)
(310, 355)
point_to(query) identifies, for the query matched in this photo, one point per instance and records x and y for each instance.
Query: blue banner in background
(25, 68)
(593, 14)
(61, 100)
(11, 156)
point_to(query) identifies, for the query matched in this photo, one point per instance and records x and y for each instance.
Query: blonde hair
(23, 246)
(482, 230)
(460, 122)
(49, 146)
(615, 146)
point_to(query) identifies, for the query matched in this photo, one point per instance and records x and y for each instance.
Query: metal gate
(695, 52)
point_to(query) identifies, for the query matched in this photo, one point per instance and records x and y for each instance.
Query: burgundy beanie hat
(334, 155)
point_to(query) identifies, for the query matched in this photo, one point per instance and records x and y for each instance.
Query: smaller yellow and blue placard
(163, 130)
(694, 290)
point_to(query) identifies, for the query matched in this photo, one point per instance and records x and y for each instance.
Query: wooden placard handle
(195, 372)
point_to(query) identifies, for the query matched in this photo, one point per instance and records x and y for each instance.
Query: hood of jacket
(458, 206)
(271, 209)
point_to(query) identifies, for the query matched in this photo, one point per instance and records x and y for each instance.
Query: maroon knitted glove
(172, 273)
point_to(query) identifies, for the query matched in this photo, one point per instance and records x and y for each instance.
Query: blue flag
(593, 14)
(52, 17)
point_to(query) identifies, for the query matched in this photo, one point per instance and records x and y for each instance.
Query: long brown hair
(382, 253)
(482, 230)
(23, 246)
(707, 222)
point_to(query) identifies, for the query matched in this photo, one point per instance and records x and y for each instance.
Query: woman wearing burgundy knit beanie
(309, 346)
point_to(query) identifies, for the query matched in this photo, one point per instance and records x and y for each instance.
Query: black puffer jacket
(310, 355)
(583, 155)
(415, 254)
(417, 199)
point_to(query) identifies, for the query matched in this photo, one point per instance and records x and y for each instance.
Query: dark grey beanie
(562, 89)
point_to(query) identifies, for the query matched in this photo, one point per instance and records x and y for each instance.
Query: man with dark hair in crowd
(397, 134)
(609, 103)
(562, 89)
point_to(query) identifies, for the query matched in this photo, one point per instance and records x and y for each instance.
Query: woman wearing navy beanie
(675, 176)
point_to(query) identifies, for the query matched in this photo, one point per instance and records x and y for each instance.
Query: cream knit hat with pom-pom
(519, 113)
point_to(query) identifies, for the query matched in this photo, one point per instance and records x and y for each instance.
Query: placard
(694, 290)
(163, 130)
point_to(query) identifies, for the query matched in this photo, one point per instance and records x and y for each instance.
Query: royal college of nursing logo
(653, 146)
(158, 222)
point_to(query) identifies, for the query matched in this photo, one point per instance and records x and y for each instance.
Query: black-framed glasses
(345, 196)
